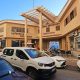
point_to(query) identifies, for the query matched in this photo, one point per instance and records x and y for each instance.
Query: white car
(30, 61)
(78, 64)
(60, 62)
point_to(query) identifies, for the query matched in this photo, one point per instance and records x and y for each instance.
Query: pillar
(40, 31)
(25, 35)
(8, 42)
(74, 43)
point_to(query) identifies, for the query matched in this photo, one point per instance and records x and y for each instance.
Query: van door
(21, 59)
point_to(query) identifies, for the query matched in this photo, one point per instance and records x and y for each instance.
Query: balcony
(51, 34)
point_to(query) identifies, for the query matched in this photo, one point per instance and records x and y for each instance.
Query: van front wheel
(32, 73)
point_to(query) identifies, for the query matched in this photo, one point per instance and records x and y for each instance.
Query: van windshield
(33, 53)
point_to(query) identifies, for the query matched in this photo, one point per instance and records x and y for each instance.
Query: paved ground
(22, 76)
(69, 73)
(66, 75)
(59, 75)
(71, 63)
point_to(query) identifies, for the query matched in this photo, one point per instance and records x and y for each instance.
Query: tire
(32, 73)
(78, 69)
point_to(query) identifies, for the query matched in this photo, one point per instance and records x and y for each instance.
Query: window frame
(57, 28)
(26, 57)
(72, 15)
(47, 29)
(17, 29)
(78, 43)
(7, 53)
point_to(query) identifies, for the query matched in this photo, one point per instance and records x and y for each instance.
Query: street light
(33, 3)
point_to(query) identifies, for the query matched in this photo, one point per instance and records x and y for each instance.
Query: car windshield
(48, 53)
(33, 53)
(5, 68)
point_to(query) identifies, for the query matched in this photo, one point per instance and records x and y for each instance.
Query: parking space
(22, 75)
(71, 63)
(70, 72)
(66, 75)
(59, 75)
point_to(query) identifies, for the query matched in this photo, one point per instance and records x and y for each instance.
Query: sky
(11, 9)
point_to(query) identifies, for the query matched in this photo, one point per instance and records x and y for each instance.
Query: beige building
(12, 32)
(64, 28)
(43, 27)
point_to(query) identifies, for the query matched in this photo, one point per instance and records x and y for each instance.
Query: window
(8, 52)
(20, 54)
(66, 21)
(78, 45)
(17, 29)
(14, 29)
(33, 53)
(1, 29)
(78, 42)
(78, 33)
(73, 14)
(47, 29)
(57, 28)
(38, 30)
(15, 43)
(72, 42)
(3, 43)
(70, 17)
(22, 30)
(27, 30)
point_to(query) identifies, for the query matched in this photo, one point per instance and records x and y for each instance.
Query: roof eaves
(64, 9)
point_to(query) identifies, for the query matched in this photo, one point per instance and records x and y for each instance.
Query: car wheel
(32, 73)
(78, 68)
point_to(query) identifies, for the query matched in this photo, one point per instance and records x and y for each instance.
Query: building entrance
(54, 45)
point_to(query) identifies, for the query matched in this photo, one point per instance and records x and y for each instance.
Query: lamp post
(33, 3)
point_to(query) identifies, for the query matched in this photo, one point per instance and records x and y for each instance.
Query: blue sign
(54, 45)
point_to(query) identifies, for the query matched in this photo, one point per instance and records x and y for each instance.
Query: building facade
(64, 28)
(68, 31)
(12, 33)
(70, 25)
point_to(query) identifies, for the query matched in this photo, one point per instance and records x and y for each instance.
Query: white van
(30, 60)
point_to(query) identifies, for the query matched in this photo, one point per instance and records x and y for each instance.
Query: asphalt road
(59, 75)
(66, 75)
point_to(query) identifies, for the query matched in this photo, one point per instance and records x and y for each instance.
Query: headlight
(40, 64)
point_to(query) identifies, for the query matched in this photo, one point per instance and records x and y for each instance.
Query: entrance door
(54, 44)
